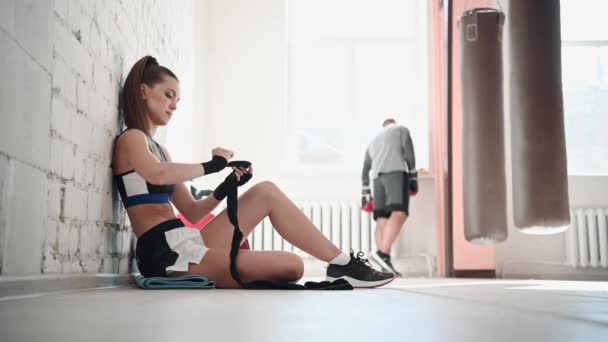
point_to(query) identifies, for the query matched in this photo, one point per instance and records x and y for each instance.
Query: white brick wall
(5, 172)
(33, 29)
(24, 120)
(7, 16)
(63, 63)
(26, 216)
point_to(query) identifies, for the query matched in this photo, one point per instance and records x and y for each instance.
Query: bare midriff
(143, 217)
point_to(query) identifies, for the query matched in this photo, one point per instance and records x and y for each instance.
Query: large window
(585, 85)
(352, 64)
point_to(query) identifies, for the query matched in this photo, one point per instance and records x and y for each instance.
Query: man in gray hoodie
(390, 156)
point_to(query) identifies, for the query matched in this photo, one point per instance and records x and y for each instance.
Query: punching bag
(484, 180)
(538, 141)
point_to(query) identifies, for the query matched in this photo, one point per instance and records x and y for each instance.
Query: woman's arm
(193, 210)
(135, 144)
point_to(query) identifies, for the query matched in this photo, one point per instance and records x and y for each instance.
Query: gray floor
(406, 310)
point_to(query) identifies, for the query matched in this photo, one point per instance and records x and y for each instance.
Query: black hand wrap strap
(216, 164)
(237, 237)
(223, 189)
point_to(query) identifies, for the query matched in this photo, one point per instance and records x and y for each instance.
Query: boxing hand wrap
(222, 190)
(216, 164)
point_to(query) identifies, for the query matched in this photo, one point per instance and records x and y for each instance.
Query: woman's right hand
(219, 159)
(222, 152)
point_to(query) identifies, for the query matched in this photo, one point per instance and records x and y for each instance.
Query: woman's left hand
(240, 171)
(240, 175)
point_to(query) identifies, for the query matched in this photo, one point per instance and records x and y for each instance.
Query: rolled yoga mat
(538, 142)
(484, 180)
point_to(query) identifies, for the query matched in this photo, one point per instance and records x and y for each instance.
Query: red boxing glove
(366, 200)
(368, 207)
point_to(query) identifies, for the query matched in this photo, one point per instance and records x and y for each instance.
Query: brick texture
(64, 62)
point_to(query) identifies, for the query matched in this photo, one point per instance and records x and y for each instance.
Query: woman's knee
(293, 267)
(265, 188)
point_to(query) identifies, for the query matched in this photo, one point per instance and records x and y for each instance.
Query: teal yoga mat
(185, 282)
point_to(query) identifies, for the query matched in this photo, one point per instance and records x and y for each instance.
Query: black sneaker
(359, 273)
(384, 260)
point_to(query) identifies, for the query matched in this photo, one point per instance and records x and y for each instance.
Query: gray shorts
(391, 192)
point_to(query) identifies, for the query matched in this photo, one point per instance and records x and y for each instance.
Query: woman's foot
(359, 273)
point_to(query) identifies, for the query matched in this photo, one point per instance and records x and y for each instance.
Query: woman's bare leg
(265, 199)
(274, 266)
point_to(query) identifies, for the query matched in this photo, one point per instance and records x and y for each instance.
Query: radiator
(343, 223)
(587, 238)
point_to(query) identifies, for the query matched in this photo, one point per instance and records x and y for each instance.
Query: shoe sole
(358, 284)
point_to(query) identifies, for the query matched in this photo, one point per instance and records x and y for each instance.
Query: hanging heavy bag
(484, 180)
(538, 140)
